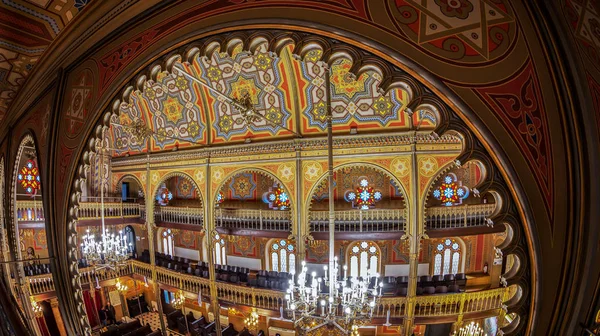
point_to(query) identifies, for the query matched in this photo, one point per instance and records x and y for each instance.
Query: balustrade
(178, 215)
(31, 211)
(93, 210)
(459, 216)
(372, 220)
(424, 305)
(254, 219)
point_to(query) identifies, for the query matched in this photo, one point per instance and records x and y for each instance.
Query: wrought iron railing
(31, 211)
(372, 220)
(464, 216)
(178, 215)
(253, 219)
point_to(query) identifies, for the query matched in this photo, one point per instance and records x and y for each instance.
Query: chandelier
(121, 287)
(472, 329)
(179, 300)
(111, 250)
(251, 322)
(334, 301)
(38, 311)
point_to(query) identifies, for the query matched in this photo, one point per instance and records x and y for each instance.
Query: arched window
(167, 239)
(130, 234)
(364, 258)
(219, 253)
(446, 258)
(283, 255)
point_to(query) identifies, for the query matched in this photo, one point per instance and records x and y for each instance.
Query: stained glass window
(364, 258)
(283, 255)
(451, 191)
(446, 258)
(277, 198)
(164, 196)
(364, 197)
(220, 253)
(220, 198)
(167, 241)
(29, 177)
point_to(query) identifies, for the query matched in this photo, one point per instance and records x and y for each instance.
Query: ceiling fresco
(26, 29)
(287, 93)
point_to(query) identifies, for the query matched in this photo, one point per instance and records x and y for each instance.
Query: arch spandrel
(195, 175)
(430, 167)
(220, 175)
(315, 172)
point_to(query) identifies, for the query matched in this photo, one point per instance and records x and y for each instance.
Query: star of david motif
(364, 197)
(457, 26)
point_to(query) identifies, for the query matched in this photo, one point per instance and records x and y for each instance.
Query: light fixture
(251, 322)
(111, 251)
(335, 301)
(179, 300)
(121, 287)
(471, 329)
(38, 311)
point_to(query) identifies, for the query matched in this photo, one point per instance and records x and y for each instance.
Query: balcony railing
(459, 216)
(30, 211)
(372, 220)
(39, 284)
(253, 219)
(440, 305)
(179, 215)
(93, 210)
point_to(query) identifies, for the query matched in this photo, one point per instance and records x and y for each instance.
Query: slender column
(209, 230)
(414, 241)
(300, 208)
(151, 239)
(332, 275)
(59, 321)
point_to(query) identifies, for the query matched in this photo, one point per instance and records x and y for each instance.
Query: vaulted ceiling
(288, 93)
(26, 29)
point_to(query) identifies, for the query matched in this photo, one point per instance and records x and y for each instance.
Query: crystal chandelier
(471, 329)
(121, 287)
(179, 300)
(251, 322)
(335, 301)
(38, 311)
(112, 250)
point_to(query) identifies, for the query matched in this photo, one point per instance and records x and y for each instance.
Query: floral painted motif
(455, 8)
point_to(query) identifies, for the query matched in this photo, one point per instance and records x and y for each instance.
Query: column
(209, 229)
(299, 215)
(150, 228)
(59, 321)
(414, 236)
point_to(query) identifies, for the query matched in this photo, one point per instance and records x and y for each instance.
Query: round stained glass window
(291, 247)
(364, 245)
(455, 246)
(372, 249)
(448, 241)
(283, 243)
(355, 249)
(217, 236)
(440, 247)
(275, 246)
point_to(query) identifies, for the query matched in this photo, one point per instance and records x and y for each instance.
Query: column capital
(54, 302)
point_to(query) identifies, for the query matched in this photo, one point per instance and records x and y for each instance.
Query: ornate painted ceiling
(26, 29)
(289, 95)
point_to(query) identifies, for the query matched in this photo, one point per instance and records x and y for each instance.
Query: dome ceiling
(289, 95)
(26, 29)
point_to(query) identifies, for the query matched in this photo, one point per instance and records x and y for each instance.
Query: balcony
(427, 308)
(461, 220)
(246, 221)
(351, 224)
(30, 211)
